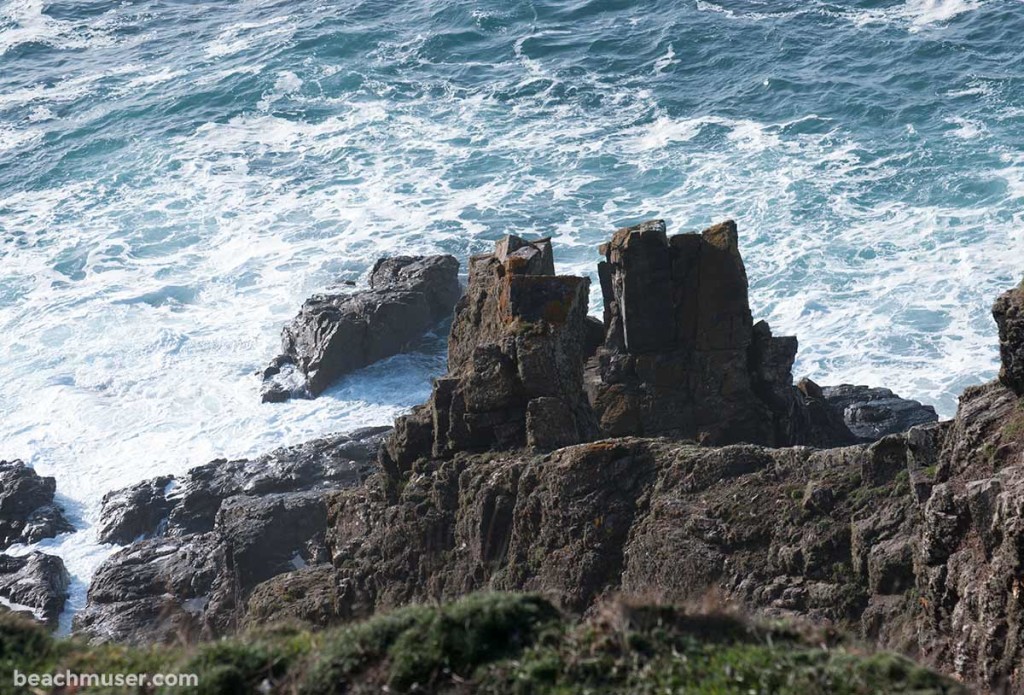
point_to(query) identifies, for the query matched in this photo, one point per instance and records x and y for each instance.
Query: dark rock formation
(1009, 316)
(912, 541)
(885, 540)
(156, 590)
(136, 512)
(681, 355)
(35, 583)
(27, 511)
(515, 363)
(873, 413)
(309, 595)
(334, 334)
(213, 536)
(496, 481)
(166, 506)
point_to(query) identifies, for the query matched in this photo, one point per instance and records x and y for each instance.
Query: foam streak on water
(176, 177)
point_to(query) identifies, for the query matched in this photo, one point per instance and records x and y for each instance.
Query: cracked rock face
(682, 356)
(335, 334)
(36, 583)
(515, 363)
(1008, 312)
(209, 538)
(27, 510)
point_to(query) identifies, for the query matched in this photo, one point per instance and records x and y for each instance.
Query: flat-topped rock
(335, 334)
(682, 356)
(873, 413)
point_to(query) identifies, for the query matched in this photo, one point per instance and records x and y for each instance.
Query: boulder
(515, 363)
(36, 583)
(136, 512)
(335, 334)
(1009, 317)
(27, 510)
(873, 413)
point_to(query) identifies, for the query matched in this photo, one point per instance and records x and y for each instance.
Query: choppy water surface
(175, 177)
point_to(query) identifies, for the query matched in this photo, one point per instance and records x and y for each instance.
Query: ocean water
(176, 176)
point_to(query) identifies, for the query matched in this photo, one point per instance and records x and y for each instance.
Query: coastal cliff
(665, 452)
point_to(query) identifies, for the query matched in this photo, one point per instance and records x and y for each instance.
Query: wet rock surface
(174, 507)
(334, 334)
(27, 510)
(36, 583)
(873, 413)
(214, 535)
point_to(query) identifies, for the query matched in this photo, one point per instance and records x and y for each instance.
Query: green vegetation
(495, 643)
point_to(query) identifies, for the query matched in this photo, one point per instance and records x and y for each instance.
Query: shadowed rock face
(681, 355)
(912, 542)
(1008, 312)
(515, 363)
(27, 510)
(335, 334)
(36, 582)
(209, 538)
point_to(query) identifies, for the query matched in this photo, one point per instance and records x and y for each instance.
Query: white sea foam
(915, 15)
(31, 24)
(145, 302)
(666, 61)
(966, 129)
(925, 12)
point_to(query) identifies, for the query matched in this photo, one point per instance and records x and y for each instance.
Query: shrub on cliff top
(497, 643)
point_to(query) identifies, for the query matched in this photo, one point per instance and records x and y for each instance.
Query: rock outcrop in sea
(36, 583)
(334, 334)
(515, 363)
(202, 543)
(27, 510)
(555, 460)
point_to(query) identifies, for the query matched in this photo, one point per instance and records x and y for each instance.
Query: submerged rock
(36, 583)
(873, 413)
(335, 334)
(27, 510)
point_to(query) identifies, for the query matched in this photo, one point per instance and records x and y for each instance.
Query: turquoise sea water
(175, 177)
